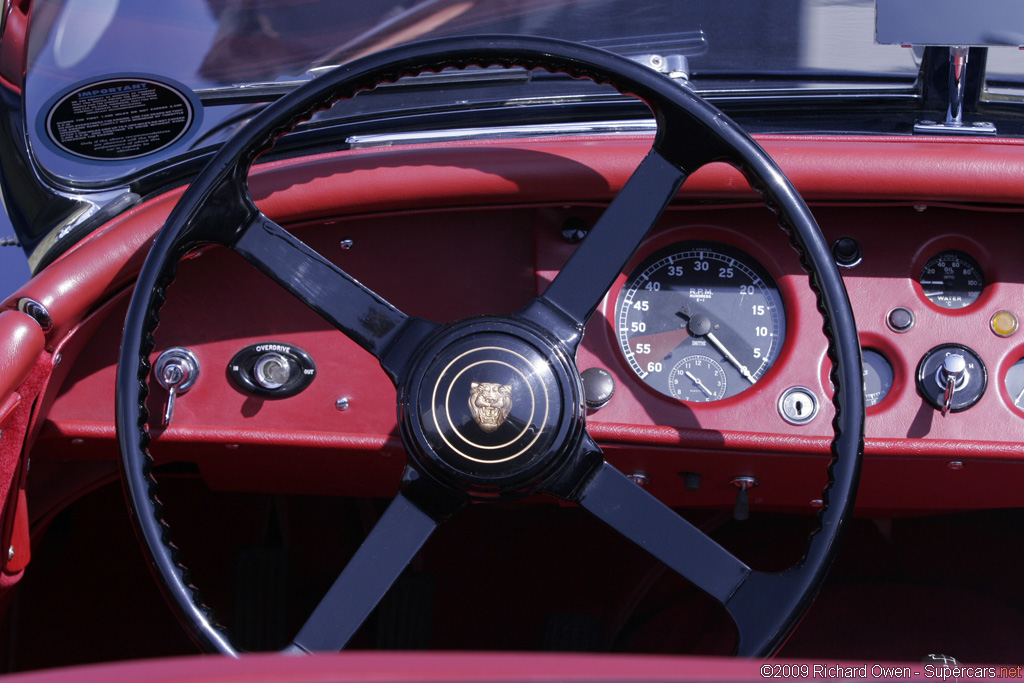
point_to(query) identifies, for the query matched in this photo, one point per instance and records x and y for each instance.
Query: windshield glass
(87, 56)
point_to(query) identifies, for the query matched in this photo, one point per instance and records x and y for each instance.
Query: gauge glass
(700, 321)
(1015, 384)
(878, 377)
(697, 378)
(952, 279)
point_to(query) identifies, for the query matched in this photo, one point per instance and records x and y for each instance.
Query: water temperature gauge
(952, 279)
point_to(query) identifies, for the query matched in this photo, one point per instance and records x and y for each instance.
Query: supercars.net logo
(935, 667)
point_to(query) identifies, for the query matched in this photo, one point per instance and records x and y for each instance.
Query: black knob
(574, 229)
(900, 319)
(846, 251)
(598, 387)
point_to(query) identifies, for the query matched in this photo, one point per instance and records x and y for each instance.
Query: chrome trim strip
(641, 127)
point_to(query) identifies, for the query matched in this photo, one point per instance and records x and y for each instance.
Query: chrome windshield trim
(625, 126)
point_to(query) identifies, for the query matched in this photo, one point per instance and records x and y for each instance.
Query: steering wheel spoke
(592, 269)
(762, 605)
(626, 507)
(392, 543)
(753, 599)
(336, 296)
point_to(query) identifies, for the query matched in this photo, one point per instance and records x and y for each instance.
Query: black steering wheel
(492, 408)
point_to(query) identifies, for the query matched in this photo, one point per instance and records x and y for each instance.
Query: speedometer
(700, 321)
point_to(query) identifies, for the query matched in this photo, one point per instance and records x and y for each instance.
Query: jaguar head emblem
(490, 404)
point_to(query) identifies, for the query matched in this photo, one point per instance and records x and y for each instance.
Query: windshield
(203, 43)
(183, 54)
(192, 46)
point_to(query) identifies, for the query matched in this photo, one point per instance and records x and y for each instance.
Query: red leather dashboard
(449, 231)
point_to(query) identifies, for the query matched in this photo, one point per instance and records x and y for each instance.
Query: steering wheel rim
(422, 358)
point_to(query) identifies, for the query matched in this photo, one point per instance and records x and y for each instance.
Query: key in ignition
(951, 377)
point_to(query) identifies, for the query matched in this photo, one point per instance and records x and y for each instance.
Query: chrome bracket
(954, 123)
(676, 67)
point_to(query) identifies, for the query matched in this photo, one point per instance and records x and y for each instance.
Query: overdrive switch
(272, 369)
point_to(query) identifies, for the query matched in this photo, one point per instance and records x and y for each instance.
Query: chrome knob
(954, 366)
(272, 370)
(176, 370)
(952, 376)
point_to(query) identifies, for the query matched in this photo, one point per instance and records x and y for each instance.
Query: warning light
(1004, 323)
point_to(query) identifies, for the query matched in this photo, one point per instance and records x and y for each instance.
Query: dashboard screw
(341, 404)
(956, 465)
(347, 243)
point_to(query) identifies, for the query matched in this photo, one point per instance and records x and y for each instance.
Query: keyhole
(798, 406)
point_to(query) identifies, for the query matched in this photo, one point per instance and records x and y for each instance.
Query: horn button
(493, 408)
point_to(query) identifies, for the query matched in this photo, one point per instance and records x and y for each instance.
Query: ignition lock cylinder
(951, 377)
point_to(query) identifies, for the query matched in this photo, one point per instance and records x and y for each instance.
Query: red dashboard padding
(452, 667)
(21, 346)
(496, 172)
(21, 342)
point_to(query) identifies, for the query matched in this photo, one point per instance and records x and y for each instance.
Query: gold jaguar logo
(490, 404)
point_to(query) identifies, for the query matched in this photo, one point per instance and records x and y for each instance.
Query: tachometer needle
(700, 385)
(710, 336)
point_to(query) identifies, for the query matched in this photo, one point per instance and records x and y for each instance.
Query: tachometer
(700, 321)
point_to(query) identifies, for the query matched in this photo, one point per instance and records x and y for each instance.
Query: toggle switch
(176, 370)
(741, 510)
